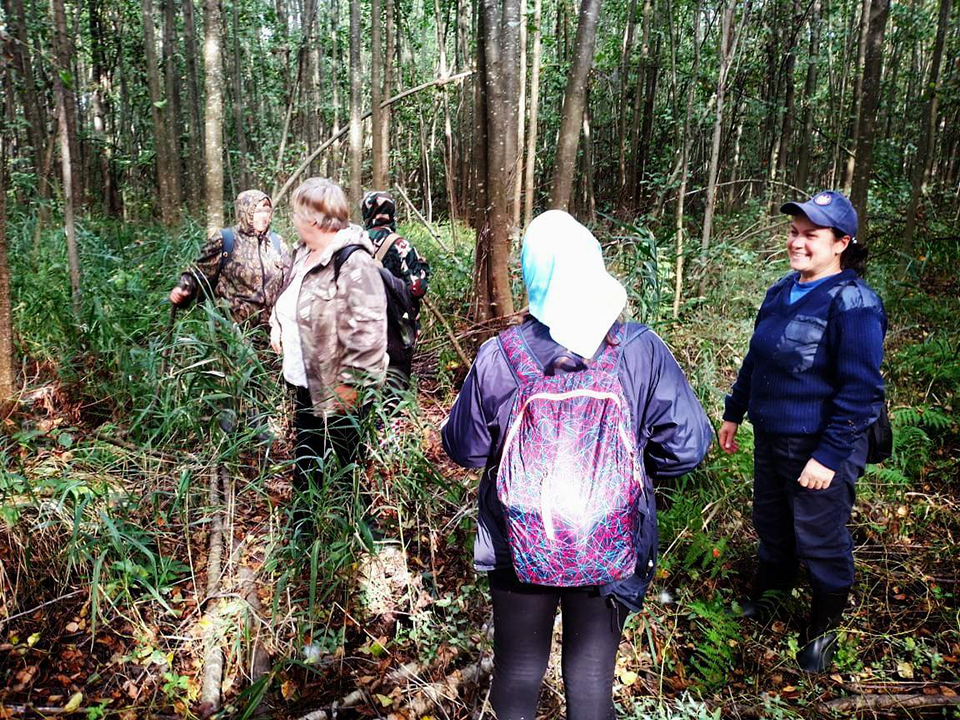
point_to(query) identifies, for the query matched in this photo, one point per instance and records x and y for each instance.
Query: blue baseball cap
(827, 209)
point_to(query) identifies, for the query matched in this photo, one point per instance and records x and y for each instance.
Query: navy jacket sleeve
(472, 431)
(672, 427)
(855, 333)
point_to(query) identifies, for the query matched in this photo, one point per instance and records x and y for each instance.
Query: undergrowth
(108, 461)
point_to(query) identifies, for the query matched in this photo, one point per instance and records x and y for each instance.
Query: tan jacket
(343, 327)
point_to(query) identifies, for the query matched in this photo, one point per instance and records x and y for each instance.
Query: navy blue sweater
(813, 367)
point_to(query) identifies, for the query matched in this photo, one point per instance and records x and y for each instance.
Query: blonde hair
(322, 202)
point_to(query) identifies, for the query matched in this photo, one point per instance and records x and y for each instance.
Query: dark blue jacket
(813, 367)
(673, 434)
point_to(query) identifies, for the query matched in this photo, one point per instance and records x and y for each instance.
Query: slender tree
(809, 95)
(573, 103)
(730, 35)
(194, 157)
(213, 114)
(7, 372)
(376, 93)
(356, 126)
(923, 163)
(861, 70)
(872, 73)
(531, 166)
(63, 51)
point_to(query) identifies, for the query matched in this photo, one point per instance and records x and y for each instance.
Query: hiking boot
(771, 585)
(825, 614)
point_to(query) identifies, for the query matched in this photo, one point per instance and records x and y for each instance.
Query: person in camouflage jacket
(399, 257)
(331, 328)
(251, 277)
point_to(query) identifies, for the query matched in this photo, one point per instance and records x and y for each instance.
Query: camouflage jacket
(343, 326)
(252, 276)
(403, 261)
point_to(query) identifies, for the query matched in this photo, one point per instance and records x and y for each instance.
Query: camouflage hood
(379, 210)
(246, 203)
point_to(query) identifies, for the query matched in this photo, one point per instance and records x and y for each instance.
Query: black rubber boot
(825, 615)
(771, 585)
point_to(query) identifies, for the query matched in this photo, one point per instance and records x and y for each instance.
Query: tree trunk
(925, 150)
(786, 127)
(356, 127)
(641, 119)
(387, 92)
(239, 115)
(623, 101)
(7, 365)
(872, 71)
(866, 16)
(501, 50)
(574, 96)
(213, 114)
(166, 165)
(64, 53)
(531, 166)
(729, 39)
(809, 91)
(34, 113)
(521, 113)
(376, 90)
(171, 78)
(101, 91)
(66, 170)
(686, 143)
(195, 163)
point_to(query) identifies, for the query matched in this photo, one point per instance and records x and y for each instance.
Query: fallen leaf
(384, 700)
(75, 701)
(905, 670)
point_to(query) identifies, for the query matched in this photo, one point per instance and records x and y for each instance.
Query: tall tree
(376, 94)
(809, 93)
(7, 372)
(240, 129)
(531, 166)
(194, 158)
(564, 170)
(851, 159)
(63, 51)
(19, 49)
(872, 73)
(729, 40)
(356, 124)
(923, 163)
(167, 171)
(66, 174)
(499, 57)
(213, 114)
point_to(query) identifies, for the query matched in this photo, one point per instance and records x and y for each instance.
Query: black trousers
(321, 441)
(796, 524)
(523, 617)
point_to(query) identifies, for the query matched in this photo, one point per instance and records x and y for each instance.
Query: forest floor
(137, 552)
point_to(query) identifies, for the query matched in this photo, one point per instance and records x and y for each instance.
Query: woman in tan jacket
(330, 324)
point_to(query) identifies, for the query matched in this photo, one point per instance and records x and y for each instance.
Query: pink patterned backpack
(570, 478)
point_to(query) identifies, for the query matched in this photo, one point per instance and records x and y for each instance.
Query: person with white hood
(573, 356)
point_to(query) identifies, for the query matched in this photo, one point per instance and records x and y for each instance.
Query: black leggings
(340, 434)
(523, 618)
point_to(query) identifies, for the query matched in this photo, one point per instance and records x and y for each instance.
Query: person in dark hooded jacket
(398, 256)
(250, 277)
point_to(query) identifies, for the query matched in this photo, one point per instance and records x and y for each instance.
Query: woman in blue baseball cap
(811, 386)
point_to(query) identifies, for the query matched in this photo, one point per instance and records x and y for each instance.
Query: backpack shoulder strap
(226, 251)
(519, 357)
(340, 257)
(275, 241)
(385, 246)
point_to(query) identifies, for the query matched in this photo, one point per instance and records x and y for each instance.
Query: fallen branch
(278, 194)
(213, 654)
(870, 704)
(448, 331)
(259, 658)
